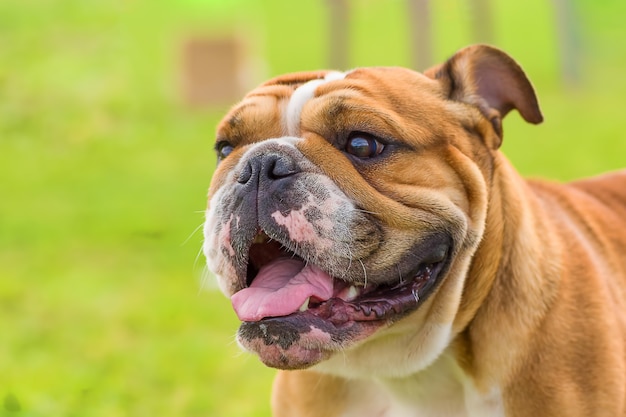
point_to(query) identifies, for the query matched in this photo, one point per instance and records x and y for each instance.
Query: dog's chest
(440, 391)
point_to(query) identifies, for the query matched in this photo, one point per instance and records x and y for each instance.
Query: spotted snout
(275, 202)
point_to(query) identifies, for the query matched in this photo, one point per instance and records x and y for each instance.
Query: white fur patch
(396, 357)
(443, 389)
(478, 404)
(299, 98)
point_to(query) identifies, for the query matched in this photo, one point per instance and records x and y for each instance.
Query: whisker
(364, 273)
(195, 261)
(208, 282)
(192, 234)
(233, 341)
(399, 274)
(366, 211)
(350, 256)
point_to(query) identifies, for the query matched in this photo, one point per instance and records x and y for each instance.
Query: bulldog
(382, 253)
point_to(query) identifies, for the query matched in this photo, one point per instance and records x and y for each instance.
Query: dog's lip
(342, 300)
(300, 338)
(381, 303)
(351, 303)
(262, 248)
(305, 338)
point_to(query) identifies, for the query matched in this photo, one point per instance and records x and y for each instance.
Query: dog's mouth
(282, 284)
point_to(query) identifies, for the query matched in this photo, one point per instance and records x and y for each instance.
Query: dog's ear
(491, 80)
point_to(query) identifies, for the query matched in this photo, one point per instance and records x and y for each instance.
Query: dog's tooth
(305, 305)
(352, 293)
(260, 238)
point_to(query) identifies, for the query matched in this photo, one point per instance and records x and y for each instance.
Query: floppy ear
(488, 78)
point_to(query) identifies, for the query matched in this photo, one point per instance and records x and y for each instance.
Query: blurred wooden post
(338, 38)
(420, 34)
(482, 21)
(568, 40)
(211, 71)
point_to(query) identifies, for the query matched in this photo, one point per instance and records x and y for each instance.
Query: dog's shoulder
(608, 188)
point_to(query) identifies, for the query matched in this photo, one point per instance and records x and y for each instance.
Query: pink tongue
(280, 288)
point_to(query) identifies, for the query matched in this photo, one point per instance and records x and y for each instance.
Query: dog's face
(346, 208)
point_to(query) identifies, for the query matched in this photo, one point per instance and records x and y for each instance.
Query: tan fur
(535, 298)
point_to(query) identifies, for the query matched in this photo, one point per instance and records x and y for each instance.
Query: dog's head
(346, 208)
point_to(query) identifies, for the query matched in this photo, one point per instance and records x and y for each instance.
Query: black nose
(267, 167)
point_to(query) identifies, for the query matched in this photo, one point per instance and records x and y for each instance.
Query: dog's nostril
(245, 174)
(280, 167)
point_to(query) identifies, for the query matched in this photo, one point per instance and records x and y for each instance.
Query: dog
(382, 253)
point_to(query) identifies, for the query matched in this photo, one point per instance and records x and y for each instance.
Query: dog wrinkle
(300, 97)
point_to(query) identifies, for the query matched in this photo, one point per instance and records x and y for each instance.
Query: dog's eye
(223, 150)
(363, 145)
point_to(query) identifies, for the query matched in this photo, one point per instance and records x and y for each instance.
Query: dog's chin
(349, 314)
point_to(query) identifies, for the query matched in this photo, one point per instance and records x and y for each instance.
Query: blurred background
(107, 116)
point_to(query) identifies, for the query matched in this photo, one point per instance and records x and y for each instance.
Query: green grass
(103, 178)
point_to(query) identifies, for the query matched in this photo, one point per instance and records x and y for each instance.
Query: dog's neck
(515, 278)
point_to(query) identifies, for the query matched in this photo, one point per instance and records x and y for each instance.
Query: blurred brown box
(211, 71)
